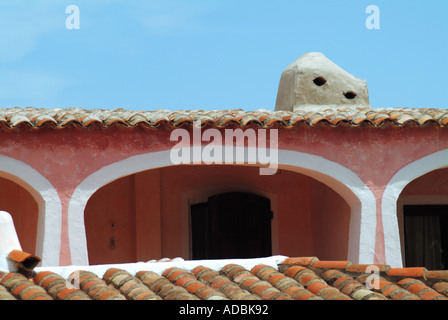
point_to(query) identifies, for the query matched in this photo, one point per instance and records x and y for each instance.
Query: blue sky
(214, 54)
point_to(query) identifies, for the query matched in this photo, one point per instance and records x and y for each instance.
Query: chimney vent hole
(319, 81)
(350, 95)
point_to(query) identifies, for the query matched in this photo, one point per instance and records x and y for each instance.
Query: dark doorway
(426, 236)
(231, 225)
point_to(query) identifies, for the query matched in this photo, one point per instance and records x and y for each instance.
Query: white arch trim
(391, 193)
(344, 181)
(48, 240)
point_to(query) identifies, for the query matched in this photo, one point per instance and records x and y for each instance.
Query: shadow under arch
(395, 186)
(343, 181)
(48, 240)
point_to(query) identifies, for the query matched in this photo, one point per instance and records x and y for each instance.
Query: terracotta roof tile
(164, 287)
(23, 261)
(249, 281)
(5, 294)
(302, 278)
(96, 288)
(331, 264)
(57, 117)
(303, 261)
(23, 288)
(407, 272)
(223, 283)
(436, 275)
(56, 286)
(128, 285)
(361, 268)
(420, 289)
(441, 287)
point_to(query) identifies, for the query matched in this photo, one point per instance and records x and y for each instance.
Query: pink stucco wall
(18, 202)
(66, 157)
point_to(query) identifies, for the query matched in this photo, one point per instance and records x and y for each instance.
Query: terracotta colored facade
(330, 199)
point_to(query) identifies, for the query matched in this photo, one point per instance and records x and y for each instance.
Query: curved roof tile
(301, 278)
(39, 117)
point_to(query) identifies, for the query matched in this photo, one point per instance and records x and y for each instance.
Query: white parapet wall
(8, 240)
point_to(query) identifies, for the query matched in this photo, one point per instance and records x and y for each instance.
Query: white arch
(391, 193)
(352, 189)
(48, 240)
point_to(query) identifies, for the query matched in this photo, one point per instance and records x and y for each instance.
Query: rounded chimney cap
(314, 82)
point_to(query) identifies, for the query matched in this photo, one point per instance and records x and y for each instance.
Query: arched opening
(49, 220)
(422, 210)
(348, 195)
(153, 214)
(394, 198)
(110, 223)
(23, 208)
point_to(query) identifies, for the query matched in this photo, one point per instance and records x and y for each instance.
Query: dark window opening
(320, 81)
(350, 95)
(426, 236)
(231, 225)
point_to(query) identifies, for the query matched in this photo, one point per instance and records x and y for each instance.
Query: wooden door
(232, 225)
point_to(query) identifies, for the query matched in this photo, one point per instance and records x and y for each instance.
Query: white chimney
(313, 83)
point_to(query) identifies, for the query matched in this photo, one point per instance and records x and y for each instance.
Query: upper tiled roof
(305, 278)
(60, 118)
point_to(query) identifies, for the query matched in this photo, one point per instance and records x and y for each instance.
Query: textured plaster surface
(314, 82)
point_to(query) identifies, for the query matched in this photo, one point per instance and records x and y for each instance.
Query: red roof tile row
(305, 278)
(57, 117)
